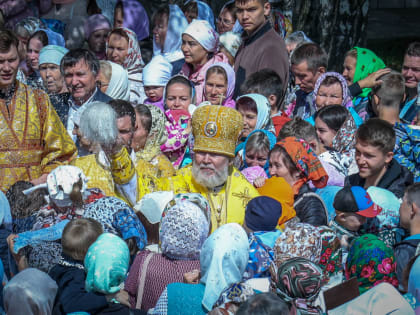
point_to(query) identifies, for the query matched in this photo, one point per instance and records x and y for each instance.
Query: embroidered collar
(7, 93)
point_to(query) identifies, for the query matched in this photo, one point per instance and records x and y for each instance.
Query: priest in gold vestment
(216, 130)
(33, 141)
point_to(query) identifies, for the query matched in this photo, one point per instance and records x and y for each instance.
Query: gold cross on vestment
(244, 196)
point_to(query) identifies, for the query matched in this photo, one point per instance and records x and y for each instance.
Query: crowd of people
(232, 173)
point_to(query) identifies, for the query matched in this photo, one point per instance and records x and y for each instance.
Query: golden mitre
(216, 129)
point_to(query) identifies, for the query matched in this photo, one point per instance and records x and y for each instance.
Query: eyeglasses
(224, 21)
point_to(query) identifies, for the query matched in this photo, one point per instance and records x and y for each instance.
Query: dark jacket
(310, 207)
(72, 295)
(396, 179)
(101, 97)
(404, 251)
(263, 49)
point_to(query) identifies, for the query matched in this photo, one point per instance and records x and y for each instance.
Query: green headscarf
(367, 62)
(372, 262)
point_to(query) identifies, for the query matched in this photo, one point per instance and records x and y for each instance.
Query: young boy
(70, 274)
(353, 206)
(375, 141)
(409, 220)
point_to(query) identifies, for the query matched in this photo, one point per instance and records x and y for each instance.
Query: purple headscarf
(135, 18)
(228, 102)
(347, 101)
(95, 23)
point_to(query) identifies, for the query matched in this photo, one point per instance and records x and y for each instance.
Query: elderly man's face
(9, 63)
(210, 169)
(80, 81)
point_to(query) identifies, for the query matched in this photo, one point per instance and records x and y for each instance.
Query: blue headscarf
(53, 37)
(271, 138)
(205, 13)
(177, 23)
(52, 54)
(263, 111)
(223, 259)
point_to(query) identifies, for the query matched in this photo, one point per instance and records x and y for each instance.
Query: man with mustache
(80, 69)
(33, 141)
(216, 130)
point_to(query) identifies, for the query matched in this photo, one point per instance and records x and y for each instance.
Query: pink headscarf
(230, 73)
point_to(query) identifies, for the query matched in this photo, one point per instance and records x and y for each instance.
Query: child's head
(301, 129)
(78, 235)
(262, 214)
(328, 121)
(268, 83)
(390, 93)
(256, 149)
(410, 207)
(375, 141)
(156, 75)
(352, 206)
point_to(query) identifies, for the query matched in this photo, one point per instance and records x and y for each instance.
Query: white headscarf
(157, 72)
(203, 33)
(118, 87)
(177, 23)
(231, 41)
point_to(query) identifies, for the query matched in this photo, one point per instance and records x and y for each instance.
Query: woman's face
(97, 41)
(32, 55)
(225, 22)
(256, 158)
(250, 121)
(215, 88)
(194, 53)
(178, 96)
(118, 18)
(325, 134)
(139, 136)
(117, 49)
(349, 69)
(52, 78)
(103, 82)
(329, 95)
(278, 168)
(159, 30)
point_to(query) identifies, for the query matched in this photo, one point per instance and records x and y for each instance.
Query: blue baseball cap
(356, 199)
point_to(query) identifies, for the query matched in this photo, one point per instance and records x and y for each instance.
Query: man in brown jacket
(261, 46)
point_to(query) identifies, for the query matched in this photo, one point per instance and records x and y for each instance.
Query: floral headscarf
(345, 140)
(230, 74)
(347, 100)
(306, 162)
(372, 262)
(183, 229)
(223, 259)
(157, 135)
(331, 253)
(299, 282)
(118, 218)
(367, 63)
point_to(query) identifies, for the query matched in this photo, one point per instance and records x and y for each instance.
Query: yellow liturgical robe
(227, 204)
(33, 141)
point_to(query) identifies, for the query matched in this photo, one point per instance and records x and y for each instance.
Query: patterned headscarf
(183, 229)
(31, 24)
(347, 100)
(345, 139)
(118, 218)
(307, 163)
(223, 259)
(106, 264)
(331, 254)
(204, 34)
(230, 74)
(271, 139)
(157, 135)
(135, 18)
(372, 262)
(300, 281)
(367, 63)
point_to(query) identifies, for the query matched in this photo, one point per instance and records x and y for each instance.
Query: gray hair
(98, 123)
(105, 69)
(76, 55)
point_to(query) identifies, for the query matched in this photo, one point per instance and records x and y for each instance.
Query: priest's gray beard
(217, 179)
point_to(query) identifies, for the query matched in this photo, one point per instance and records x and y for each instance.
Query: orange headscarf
(307, 163)
(280, 190)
